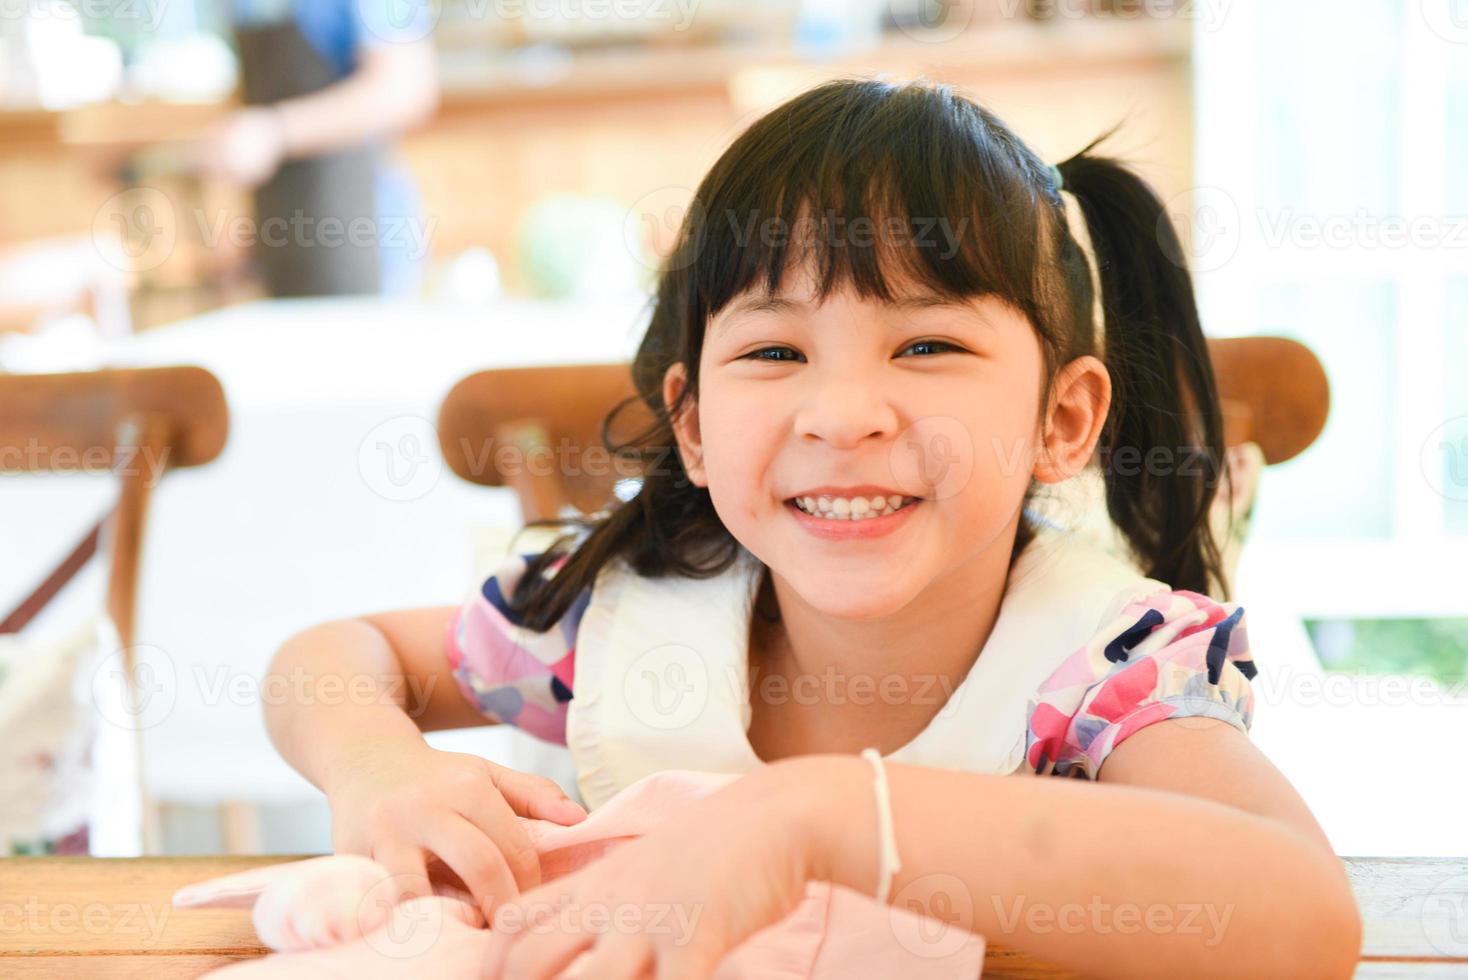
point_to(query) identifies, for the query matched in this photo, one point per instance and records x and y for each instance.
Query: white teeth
(855, 509)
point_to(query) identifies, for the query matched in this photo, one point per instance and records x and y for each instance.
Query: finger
(544, 947)
(407, 870)
(538, 904)
(618, 956)
(688, 960)
(491, 813)
(530, 795)
(476, 859)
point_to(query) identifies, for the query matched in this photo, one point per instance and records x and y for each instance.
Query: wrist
(362, 742)
(278, 115)
(834, 815)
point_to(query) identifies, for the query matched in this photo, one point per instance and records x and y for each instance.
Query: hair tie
(1059, 178)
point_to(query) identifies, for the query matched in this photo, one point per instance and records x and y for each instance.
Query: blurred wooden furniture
(135, 423)
(1274, 392)
(529, 428)
(1415, 912)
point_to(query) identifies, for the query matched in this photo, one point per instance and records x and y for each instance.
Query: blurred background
(341, 209)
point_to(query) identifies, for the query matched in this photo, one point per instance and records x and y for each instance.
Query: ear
(1079, 401)
(685, 425)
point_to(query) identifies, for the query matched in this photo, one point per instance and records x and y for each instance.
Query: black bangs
(893, 189)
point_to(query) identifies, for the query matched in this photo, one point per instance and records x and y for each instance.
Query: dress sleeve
(1172, 654)
(512, 674)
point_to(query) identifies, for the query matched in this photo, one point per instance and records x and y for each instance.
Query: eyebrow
(782, 304)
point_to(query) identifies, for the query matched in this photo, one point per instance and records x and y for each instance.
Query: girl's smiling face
(926, 396)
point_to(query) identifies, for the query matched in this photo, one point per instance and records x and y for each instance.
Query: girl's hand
(397, 806)
(675, 901)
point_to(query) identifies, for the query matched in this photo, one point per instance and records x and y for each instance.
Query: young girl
(876, 342)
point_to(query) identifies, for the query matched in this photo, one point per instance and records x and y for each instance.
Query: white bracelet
(887, 839)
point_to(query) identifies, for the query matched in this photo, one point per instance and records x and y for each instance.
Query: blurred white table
(330, 499)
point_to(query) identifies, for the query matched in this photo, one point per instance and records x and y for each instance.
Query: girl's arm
(1192, 857)
(362, 683)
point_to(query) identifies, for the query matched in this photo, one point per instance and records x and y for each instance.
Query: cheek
(738, 446)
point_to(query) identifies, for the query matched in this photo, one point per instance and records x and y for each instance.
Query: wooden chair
(111, 418)
(493, 425)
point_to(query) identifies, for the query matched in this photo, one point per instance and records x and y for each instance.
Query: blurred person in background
(327, 84)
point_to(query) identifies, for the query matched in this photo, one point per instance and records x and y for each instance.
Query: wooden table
(111, 917)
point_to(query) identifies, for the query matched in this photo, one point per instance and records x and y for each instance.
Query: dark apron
(294, 255)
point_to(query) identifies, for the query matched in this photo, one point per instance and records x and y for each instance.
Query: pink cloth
(334, 916)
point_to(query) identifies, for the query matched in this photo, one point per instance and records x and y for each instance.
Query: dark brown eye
(931, 343)
(755, 355)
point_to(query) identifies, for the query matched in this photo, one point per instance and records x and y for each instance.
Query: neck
(823, 684)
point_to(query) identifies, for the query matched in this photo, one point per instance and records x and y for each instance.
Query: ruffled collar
(662, 680)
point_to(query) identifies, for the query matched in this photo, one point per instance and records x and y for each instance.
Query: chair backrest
(527, 428)
(538, 430)
(134, 422)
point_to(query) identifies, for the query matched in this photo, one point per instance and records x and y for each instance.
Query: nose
(843, 409)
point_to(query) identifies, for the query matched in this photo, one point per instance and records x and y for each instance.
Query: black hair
(863, 152)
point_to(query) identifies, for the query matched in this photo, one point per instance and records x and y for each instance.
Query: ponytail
(1163, 438)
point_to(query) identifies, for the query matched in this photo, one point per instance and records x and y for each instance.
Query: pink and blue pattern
(1173, 654)
(512, 674)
